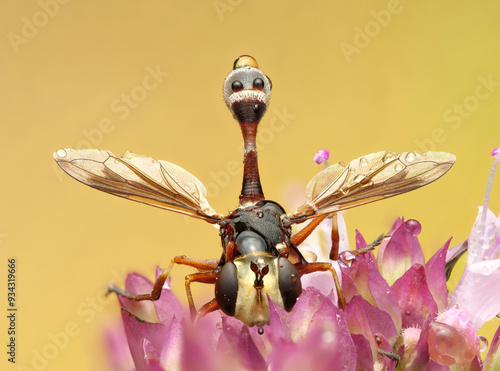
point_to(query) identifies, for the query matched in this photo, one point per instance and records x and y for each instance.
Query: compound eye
(272, 207)
(289, 283)
(270, 83)
(237, 86)
(226, 289)
(258, 84)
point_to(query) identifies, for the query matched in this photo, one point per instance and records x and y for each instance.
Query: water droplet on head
(61, 153)
(363, 161)
(293, 277)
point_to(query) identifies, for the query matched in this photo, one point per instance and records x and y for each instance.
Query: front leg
(306, 268)
(201, 265)
(202, 277)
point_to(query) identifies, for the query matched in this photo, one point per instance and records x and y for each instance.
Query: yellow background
(59, 80)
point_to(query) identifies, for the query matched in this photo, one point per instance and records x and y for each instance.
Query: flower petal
(371, 285)
(419, 358)
(414, 298)
(236, 340)
(138, 284)
(200, 341)
(401, 252)
(118, 350)
(173, 345)
(151, 357)
(308, 303)
(367, 320)
(447, 345)
(474, 293)
(384, 362)
(327, 345)
(137, 332)
(436, 277)
(280, 323)
(492, 361)
(364, 352)
(381, 248)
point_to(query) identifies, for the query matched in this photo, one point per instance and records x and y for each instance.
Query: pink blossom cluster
(399, 314)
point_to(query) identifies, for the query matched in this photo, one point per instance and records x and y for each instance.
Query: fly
(260, 258)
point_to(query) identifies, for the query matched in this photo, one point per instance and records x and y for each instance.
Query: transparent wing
(370, 178)
(139, 178)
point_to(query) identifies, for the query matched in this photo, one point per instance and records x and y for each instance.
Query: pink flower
(322, 156)
(452, 340)
(398, 313)
(474, 293)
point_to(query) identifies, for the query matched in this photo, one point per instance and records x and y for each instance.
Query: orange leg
(301, 235)
(202, 265)
(230, 251)
(323, 267)
(334, 252)
(202, 277)
(209, 307)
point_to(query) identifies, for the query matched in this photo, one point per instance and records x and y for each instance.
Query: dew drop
(483, 342)
(411, 156)
(388, 157)
(413, 227)
(398, 167)
(328, 336)
(359, 178)
(293, 277)
(218, 325)
(61, 153)
(347, 257)
(363, 161)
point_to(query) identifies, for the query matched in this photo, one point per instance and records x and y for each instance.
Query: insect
(259, 257)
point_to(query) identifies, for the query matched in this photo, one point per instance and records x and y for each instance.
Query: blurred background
(350, 77)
